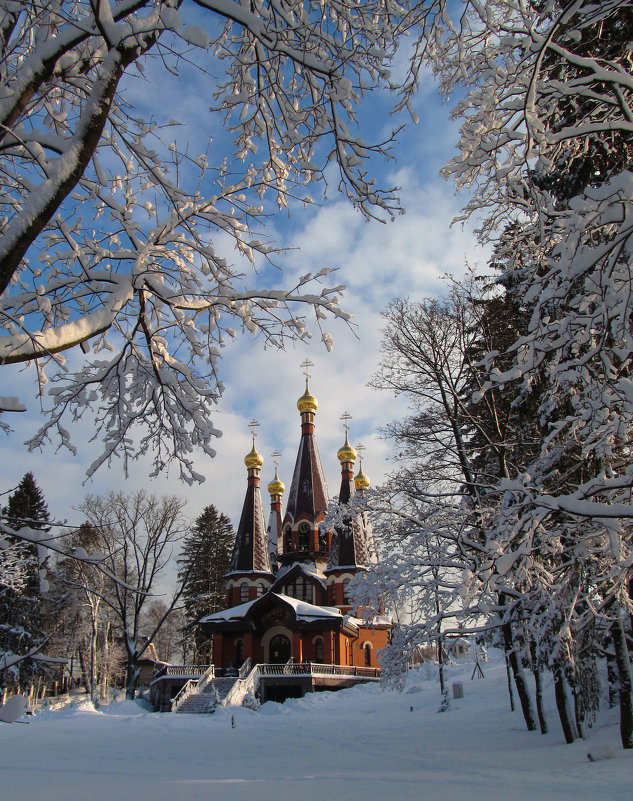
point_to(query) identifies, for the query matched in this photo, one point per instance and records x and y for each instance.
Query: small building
(459, 648)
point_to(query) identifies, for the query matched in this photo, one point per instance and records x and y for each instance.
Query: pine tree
(21, 615)
(204, 561)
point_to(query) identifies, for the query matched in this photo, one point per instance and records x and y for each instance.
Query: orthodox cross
(275, 457)
(359, 450)
(346, 417)
(253, 425)
(306, 364)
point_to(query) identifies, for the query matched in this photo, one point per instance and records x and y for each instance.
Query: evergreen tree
(21, 614)
(204, 561)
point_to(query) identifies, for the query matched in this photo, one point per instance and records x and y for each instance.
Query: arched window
(288, 540)
(261, 589)
(243, 593)
(346, 598)
(367, 650)
(301, 589)
(304, 536)
(333, 594)
(318, 650)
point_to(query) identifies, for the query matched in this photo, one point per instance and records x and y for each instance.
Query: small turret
(307, 402)
(276, 487)
(347, 452)
(361, 482)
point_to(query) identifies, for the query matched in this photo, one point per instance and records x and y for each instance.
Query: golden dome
(307, 402)
(253, 459)
(361, 482)
(347, 453)
(276, 487)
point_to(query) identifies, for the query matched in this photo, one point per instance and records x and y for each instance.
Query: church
(287, 587)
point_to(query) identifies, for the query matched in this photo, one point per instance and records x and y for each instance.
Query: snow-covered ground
(362, 744)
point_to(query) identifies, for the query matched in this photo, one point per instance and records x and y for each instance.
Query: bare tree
(137, 536)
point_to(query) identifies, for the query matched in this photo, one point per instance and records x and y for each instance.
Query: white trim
(252, 582)
(339, 579)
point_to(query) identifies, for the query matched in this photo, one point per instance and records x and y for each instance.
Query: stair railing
(242, 687)
(206, 677)
(185, 691)
(245, 669)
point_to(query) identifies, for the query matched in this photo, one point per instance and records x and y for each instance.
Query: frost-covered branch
(111, 224)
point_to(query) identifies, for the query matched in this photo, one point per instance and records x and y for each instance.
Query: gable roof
(306, 569)
(298, 614)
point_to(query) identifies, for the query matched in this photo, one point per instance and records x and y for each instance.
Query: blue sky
(405, 257)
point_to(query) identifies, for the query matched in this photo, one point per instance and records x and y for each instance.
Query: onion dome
(307, 402)
(253, 460)
(347, 453)
(361, 482)
(276, 487)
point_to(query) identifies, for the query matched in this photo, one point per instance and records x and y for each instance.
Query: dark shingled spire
(351, 542)
(308, 494)
(250, 554)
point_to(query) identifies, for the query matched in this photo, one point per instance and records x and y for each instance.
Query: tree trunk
(106, 662)
(132, 673)
(509, 678)
(93, 661)
(624, 682)
(84, 673)
(538, 687)
(612, 679)
(519, 676)
(579, 714)
(562, 704)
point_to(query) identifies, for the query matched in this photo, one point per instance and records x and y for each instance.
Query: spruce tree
(203, 563)
(21, 615)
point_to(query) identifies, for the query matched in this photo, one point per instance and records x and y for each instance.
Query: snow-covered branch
(110, 226)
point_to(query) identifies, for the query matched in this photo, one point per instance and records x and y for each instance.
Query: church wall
(244, 589)
(376, 639)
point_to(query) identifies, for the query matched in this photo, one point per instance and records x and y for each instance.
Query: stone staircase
(205, 702)
(223, 686)
(199, 703)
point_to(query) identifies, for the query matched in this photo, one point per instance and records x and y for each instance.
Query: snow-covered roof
(234, 613)
(304, 611)
(307, 567)
(377, 621)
